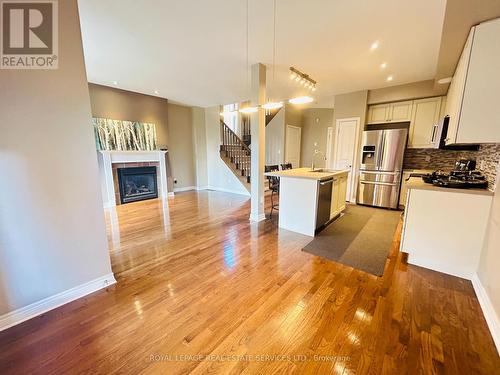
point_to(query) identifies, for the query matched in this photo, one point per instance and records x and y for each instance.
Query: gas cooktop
(457, 179)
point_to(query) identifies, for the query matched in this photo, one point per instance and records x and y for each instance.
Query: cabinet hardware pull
(433, 135)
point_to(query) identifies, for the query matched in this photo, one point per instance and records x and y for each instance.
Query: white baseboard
(109, 205)
(202, 188)
(27, 312)
(187, 188)
(170, 194)
(257, 218)
(488, 311)
(247, 194)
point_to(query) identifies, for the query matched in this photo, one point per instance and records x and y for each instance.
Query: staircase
(235, 151)
(236, 154)
(245, 125)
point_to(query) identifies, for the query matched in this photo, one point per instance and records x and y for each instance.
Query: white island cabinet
(308, 199)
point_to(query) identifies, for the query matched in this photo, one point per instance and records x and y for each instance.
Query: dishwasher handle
(326, 182)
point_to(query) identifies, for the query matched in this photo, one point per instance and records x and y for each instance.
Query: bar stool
(274, 185)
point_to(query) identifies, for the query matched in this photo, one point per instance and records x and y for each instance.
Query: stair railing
(236, 150)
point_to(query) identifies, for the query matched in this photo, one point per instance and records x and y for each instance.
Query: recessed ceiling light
(115, 83)
(383, 65)
(375, 45)
(301, 100)
(157, 92)
(390, 78)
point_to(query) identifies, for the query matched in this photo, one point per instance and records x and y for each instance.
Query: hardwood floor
(197, 281)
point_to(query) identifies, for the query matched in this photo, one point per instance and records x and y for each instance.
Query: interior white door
(292, 149)
(345, 148)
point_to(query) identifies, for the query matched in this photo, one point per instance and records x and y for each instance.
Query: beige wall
(314, 130)
(293, 115)
(275, 139)
(173, 126)
(488, 272)
(200, 147)
(415, 90)
(219, 176)
(351, 105)
(110, 102)
(180, 145)
(52, 231)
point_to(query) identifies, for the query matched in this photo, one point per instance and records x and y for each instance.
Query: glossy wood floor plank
(197, 281)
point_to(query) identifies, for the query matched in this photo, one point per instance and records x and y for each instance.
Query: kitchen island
(309, 199)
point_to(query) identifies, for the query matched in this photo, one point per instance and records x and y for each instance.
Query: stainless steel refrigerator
(382, 154)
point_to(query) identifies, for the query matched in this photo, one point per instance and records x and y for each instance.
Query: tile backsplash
(488, 154)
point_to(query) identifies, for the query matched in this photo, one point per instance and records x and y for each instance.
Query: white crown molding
(488, 310)
(27, 312)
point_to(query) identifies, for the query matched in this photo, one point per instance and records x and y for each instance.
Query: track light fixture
(302, 78)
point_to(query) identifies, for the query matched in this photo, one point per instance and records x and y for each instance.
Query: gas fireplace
(137, 183)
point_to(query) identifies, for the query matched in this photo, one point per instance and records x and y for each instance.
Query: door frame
(329, 149)
(355, 168)
(286, 142)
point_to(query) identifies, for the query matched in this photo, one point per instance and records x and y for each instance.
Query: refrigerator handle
(381, 149)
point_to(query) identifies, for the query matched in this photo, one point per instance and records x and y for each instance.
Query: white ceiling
(194, 51)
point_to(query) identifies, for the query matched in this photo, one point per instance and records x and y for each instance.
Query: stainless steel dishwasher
(324, 202)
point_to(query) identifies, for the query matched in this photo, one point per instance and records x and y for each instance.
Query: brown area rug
(361, 238)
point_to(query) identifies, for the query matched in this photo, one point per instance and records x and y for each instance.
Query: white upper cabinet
(401, 111)
(423, 115)
(378, 113)
(456, 90)
(389, 112)
(473, 95)
(424, 123)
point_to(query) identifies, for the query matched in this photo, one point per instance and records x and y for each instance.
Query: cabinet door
(400, 111)
(424, 122)
(456, 91)
(480, 116)
(378, 113)
(342, 193)
(404, 188)
(334, 206)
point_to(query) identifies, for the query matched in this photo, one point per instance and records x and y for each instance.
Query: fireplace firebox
(137, 184)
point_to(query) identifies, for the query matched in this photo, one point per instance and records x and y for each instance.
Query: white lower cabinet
(444, 229)
(339, 190)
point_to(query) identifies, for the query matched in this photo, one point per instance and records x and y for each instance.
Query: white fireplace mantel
(108, 158)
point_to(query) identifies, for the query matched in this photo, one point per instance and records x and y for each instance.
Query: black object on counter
(457, 179)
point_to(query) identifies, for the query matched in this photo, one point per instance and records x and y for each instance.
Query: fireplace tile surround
(110, 161)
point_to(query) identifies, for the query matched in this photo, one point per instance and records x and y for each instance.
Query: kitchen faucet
(315, 153)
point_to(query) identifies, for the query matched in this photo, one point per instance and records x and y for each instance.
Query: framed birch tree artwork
(118, 135)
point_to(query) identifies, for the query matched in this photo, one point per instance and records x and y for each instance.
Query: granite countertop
(307, 173)
(418, 183)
